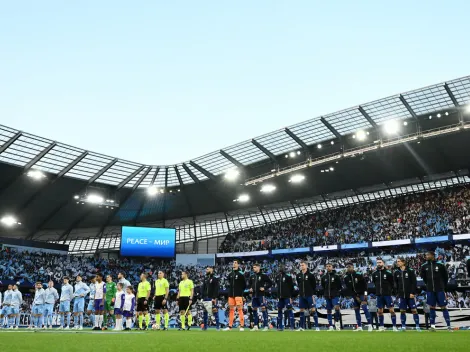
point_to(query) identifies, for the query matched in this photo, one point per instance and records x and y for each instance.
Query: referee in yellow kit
(143, 296)
(185, 300)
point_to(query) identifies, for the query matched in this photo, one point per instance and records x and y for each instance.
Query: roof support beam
(407, 106)
(142, 204)
(451, 95)
(296, 139)
(131, 176)
(264, 150)
(113, 213)
(331, 128)
(186, 198)
(39, 156)
(51, 182)
(65, 202)
(231, 159)
(190, 173)
(9, 142)
(202, 170)
(367, 117)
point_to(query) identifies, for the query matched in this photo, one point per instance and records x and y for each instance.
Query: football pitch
(196, 340)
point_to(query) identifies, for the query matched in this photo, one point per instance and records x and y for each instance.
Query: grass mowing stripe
(194, 341)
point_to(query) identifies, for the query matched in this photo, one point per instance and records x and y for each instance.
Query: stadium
(348, 230)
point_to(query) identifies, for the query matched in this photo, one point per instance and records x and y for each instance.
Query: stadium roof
(195, 192)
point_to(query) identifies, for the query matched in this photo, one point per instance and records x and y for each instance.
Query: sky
(161, 82)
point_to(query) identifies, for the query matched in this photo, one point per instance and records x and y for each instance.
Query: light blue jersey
(40, 297)
(81, 290)
(125, 283)
(16, 300)
(7, 297)
(67, 293)
(51, 295)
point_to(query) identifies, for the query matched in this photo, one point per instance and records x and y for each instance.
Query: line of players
(403, 282)
(119, 301)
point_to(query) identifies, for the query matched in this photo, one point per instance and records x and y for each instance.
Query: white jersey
(120, 298)
(100, 290)
(129, 302)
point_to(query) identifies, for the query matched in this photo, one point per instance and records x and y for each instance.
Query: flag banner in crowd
(461, 237)
(391, 243)
(242, 254)
(291, 250)
(355, 245)
(333, 247)
(434, 239)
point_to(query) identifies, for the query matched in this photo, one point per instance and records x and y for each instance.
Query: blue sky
(164, 81)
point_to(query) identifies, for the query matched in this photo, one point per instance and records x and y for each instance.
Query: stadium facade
(410, 142)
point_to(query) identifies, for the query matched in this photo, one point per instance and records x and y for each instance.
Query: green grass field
(193, 341)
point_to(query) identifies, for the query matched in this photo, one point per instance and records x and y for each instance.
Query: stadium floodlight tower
(232, 174)
(9, 220)
(391, 127)
(36, 174)
(297, 178)
(268, 188)
(243, 198)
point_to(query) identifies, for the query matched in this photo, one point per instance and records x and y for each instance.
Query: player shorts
(331, 302)
(91, 305)
(127, 314)
(284, 303)
(6, 311)
(108, 305)
(406, 303)
(384, 301)
(306, 302)
(117, 311)
(99, 305)
(14, 310)
(358, 299)
(141, 305)
(436, 299)
(235, 301)
(158, 303)
(183, 303)
(38, 309)
(257, 302)
(78, 305)
(64, 306)
(48, 309)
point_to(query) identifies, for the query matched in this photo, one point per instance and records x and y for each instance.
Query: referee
(143, 295)
(185, 300)
(162, 290)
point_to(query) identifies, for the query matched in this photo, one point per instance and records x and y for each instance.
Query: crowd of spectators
(424, 214)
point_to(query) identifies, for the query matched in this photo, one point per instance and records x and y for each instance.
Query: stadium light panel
(36, 174)
(297, 178)
(232, 174)
(152, 190)
(391, 127)
(268, 188)
(243, 198)
(361, 135)
(9, 220)
(94, 199)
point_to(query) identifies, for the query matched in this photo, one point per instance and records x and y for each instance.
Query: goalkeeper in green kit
(109, 302)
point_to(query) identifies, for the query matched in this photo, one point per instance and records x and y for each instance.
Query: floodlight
(361, 135)
(297, 178)
(292, 154)
(332, 142)
(298, 152)
(447, 114)
(35, 174)
(332, 168)
(76, 197)
(94, 199)
(438, 116)
(405, 123)
(8, 220)
(152, 190)
(243, 198)
(268, 188)
(232, 174)
(319, 146)
(391, 127)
